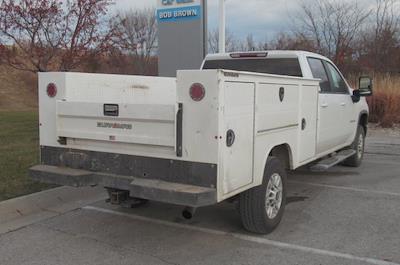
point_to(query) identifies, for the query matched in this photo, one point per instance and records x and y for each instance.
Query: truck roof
(271, 54)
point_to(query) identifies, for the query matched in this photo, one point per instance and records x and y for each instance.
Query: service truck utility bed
(205, 136)
(148, 136)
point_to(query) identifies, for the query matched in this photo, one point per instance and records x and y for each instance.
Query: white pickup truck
(229, 131)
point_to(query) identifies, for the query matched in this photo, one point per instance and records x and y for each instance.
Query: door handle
(324, 105)
(342, 104)
(303, 124)
(230, 138)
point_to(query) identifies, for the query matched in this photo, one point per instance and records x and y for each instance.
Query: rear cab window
(276, 66)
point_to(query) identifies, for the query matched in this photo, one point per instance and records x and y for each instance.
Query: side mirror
(365, 86)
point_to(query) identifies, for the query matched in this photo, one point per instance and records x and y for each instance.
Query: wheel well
(283, 153)
(364, 121)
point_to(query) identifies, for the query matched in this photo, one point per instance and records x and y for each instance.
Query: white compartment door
(144, 124)
(308, 122)
(239, 118)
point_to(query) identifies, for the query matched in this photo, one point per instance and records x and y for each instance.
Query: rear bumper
(177, 171)
(151, 189)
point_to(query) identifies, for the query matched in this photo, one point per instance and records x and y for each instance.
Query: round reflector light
(197, 92)
(51, 90)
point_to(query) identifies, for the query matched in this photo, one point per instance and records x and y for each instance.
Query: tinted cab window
(331, 80)
(338, 85)
(277, 66)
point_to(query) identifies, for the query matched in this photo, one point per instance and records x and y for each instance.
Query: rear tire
(358, 145)
(261, 208)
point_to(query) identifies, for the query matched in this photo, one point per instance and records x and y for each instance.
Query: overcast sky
(262, 18)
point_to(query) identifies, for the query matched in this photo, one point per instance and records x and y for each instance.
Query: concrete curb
(20, 212)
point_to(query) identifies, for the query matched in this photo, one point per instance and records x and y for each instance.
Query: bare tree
(84, 31)
(284, 41)
(381, 39)
(137, 35)
(333, 24)
(48, 34)
(232, 42)
(250, 44)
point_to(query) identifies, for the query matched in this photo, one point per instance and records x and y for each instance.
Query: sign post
(182, 35)
(222, 27)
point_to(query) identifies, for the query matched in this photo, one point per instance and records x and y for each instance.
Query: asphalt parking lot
(343, 216)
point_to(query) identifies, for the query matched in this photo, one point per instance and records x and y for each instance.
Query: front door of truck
(341, 95)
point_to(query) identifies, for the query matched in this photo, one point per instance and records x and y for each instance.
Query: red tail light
(197, 92)
(51, 90)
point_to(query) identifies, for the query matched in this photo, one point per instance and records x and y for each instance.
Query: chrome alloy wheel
(360, 146)
(273, 200)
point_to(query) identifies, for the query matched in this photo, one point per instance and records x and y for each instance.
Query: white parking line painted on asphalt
(346, 188)
(254, 239)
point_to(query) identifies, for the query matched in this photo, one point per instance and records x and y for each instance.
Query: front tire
(261, 208)
(358, 145)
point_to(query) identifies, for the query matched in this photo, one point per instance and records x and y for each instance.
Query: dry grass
(385, 103)
(18, 90)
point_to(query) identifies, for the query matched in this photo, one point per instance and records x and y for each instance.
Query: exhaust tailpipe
(188, 212)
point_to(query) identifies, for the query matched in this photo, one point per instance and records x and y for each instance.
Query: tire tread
(252, 202)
